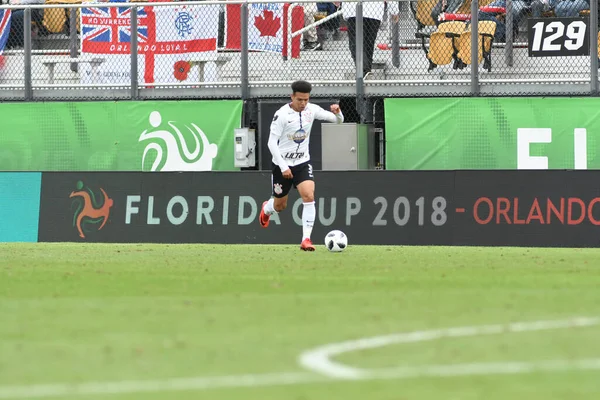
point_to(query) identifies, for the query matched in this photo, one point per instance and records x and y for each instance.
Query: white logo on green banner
(171, 148)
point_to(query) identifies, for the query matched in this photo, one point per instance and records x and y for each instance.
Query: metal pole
(475, 48)
(360, 88)
(27, 53)
(509, 33)
(244, 66)
(73, 43)
(134, 53)
(395, 43)
(594, 47)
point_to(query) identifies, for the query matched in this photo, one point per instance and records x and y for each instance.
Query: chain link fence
(66, 49)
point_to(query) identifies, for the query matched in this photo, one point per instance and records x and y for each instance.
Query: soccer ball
(336, 241)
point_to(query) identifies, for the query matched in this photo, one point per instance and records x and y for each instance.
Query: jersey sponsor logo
(299, 136)
(293, 155)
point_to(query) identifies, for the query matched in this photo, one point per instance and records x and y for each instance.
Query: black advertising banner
(371, 207)
(528, 208)
(558, 37)
(492, 208)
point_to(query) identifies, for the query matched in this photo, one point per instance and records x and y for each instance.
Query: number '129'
(555, 40)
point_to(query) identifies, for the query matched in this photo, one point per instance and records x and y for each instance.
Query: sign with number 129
(554, 37)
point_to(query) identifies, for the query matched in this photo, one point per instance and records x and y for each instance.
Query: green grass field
(84, 321)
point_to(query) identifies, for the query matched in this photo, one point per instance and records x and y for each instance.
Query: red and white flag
(169, 39)
(267, 27)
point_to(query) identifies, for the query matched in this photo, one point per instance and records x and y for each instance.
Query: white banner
(265, 27)
(171, 40)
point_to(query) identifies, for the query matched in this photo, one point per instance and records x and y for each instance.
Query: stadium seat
(442, 47)
(486, 30)
(422, 12)
(55, 19)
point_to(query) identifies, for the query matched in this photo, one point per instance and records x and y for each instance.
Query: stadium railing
(233, 49)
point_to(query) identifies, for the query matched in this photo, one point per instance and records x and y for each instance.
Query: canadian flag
(267, 27)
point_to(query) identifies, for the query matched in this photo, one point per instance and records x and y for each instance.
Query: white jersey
(292, 131)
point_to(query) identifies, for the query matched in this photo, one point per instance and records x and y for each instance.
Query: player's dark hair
(301, 87)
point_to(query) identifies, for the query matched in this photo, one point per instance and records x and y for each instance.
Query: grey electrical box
(347, 147)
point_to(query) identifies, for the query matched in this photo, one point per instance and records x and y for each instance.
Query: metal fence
(65, 49)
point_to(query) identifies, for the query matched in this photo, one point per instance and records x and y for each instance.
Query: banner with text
(492, 133)
(119, 136)
(171, 42)
(491, 208)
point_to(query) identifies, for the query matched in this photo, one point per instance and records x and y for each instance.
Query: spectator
(443, 6)
(310, 38)
(568, 8)
(17, 22)
(519, 9)
(372, 16)
(332, 26)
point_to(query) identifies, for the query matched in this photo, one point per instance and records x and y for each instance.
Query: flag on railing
(4, 32)
(4, 28)
(267, 27)
(170, 40)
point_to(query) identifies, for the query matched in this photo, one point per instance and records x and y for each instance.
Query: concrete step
(51, 42)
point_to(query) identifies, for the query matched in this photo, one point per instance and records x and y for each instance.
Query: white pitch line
(165, 385)
(319, 359)
(500, 368)
(290, 378)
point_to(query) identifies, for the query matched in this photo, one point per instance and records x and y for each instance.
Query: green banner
(119, 136)
(492, 133)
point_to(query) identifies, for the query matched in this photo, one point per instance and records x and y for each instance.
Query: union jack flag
(108, 30)
(4, 28)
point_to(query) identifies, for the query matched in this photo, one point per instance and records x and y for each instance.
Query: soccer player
(288, 143)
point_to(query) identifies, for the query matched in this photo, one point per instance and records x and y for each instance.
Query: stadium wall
(557, 208)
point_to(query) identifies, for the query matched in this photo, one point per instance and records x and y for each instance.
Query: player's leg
(278, 202)
(306, 189)
(274, 205)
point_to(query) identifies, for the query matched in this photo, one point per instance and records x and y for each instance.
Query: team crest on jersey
(299, 136)
(307, 115)
(277, 188)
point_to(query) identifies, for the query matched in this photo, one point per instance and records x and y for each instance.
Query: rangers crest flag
(170, 39)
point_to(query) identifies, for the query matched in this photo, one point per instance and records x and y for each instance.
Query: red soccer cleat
(307, 245)
(263, 218)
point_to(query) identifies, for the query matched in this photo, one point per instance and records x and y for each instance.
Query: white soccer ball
(336, 241)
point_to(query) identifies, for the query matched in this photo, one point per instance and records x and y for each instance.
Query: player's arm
(273, 144)
(333, 116)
